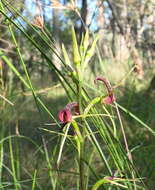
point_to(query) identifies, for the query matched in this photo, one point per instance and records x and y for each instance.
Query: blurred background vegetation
(125, 54)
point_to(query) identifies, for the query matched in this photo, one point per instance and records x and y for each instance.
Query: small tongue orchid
(65, 115)
(110, 98)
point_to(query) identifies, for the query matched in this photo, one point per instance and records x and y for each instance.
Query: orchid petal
(75, 106)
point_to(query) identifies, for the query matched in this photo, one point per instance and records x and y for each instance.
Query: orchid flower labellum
(110, 98)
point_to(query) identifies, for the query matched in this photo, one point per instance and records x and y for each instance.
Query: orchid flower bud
(110, 98)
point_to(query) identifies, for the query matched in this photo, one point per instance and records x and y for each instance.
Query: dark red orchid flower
(65, 115)
(110, 98)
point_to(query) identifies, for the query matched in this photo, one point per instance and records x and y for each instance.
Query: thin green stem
(34, 180)
(16, 183)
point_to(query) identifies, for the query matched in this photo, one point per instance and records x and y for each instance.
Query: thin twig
(5, 99)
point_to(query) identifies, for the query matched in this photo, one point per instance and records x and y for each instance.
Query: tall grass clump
(89, 148)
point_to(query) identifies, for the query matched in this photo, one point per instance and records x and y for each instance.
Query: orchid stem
(82, 143)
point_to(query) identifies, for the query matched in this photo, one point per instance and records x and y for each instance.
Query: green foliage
(76, 54)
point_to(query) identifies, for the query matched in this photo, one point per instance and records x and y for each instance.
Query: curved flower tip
(108, 99)
(103, 79)
(99, 78)
(106, 83)
(65, 115)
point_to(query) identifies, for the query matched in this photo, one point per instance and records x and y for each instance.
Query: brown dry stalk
(41, 90)
(38, 18)
(56, 4)
(38, 21)
(138, 63)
